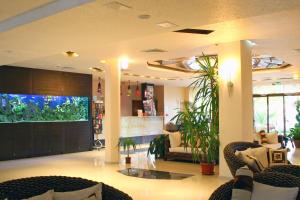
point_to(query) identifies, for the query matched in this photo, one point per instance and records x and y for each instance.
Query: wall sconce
(227, 72)
(230, 87)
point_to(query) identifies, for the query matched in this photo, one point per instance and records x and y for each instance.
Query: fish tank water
(16, 108)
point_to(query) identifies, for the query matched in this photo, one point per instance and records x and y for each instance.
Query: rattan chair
(270, 178)
(233, 161)
(28, 187)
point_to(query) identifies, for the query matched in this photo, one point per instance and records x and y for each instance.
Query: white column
(112, 121)
(236, 110)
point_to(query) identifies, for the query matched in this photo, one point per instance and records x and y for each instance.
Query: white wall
(173, 99)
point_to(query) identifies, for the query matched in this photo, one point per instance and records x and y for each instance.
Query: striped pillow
(243, 184)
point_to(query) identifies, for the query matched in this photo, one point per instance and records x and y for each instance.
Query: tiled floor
(91, 165)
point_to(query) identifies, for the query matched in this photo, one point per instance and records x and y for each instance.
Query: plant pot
(297, 143)
(207, 168)
(128, 160)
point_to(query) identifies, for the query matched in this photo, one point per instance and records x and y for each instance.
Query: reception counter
(132, 126)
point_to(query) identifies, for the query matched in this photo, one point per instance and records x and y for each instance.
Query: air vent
(195, 31)
(154, 50)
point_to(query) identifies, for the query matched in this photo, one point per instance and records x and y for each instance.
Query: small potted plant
(157, 146)
(127, 143)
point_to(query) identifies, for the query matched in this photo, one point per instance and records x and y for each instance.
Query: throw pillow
(243, 184)
(272, 138)
(278, 157)
(250, 160)
(45, 196)
(261, 154)
(94, 191)
(263, 192)
(175, 139)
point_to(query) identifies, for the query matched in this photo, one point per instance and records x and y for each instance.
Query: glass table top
(153, 174)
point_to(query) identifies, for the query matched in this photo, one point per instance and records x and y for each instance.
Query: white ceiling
(97, 32)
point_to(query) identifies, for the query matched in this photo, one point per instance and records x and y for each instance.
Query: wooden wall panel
(15, 80)
(6, 142)
(21, 140)
(47, 82)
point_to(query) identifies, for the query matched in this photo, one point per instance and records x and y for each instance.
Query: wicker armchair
(285, 169)
(275, 179)
(28, 187)
(234, 162)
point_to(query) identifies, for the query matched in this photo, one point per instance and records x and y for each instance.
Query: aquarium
(42, 108)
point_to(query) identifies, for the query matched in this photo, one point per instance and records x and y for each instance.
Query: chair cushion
(180, 150)
(278, 157)
(45, 196)
(272, 146)
(243, 184)
(263, 192)
(94, 191)
(255, 158)
(175, 139)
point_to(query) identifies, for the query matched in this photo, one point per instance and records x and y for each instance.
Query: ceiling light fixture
(123, 62)
(71, 54)
(166, 24)
(114, 5)
(102, 61)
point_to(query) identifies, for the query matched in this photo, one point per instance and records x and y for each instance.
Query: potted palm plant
(127, 143)
(295, 132)
(199, 120)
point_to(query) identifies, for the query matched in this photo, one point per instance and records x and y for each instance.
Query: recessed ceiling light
(166, 24)
(71, 54)
(103, 61)
(117, 6)
(145, 16)
(123, 62)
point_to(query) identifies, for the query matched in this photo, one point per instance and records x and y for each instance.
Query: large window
(275, 112)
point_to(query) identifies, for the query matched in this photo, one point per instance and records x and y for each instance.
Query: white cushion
(175, 139)
(272, 146)
(45, 196)
(80, 194)
(261, 154)
(272, 138)
(180, 150)
(263, 192)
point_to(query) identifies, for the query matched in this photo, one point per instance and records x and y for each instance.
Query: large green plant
(295, 132)
(199, 120)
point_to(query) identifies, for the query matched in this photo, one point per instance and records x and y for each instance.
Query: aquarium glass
(42, 108)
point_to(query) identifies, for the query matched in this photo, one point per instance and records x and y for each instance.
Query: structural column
(236, 109)
(112, 120)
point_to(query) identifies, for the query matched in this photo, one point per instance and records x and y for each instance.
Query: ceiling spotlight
(145, 16)
(123, 62)
(71, 54)
(166, 24)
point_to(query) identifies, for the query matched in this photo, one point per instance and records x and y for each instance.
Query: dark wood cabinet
(22, 140)
(6, 142)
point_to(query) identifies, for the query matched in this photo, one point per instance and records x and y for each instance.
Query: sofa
(273, 140)
(174, 149)
(28, 187)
